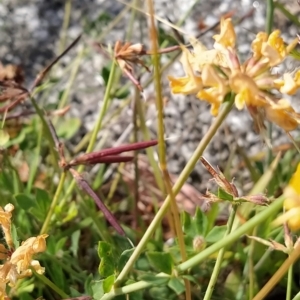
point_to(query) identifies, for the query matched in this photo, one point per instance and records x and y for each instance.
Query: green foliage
(84, 255)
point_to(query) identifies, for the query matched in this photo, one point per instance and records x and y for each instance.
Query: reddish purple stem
(98, 156)
(107, 214)
(102, 160)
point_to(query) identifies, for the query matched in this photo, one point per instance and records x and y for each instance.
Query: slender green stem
(47, 133)
(202, 256)
(59, 189)
(289, 283)
(269, 27)
(267, 253)
(233, 236)
(66, 21)
(130, 288)
(177, 187)
(35, 160)
(250, 266)
(217, 267)
(103, 108)
(46, 281)
(96, 128)
(72, 77)
(161, 142)
(297, 297)
(270, 16)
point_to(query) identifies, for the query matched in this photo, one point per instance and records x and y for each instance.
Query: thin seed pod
(102, 160)
(107, 214)
(97, 155)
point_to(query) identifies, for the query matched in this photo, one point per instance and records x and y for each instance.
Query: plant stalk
(217, 267)
(97, 127)
(59, 189)
(161, 142)
(177, 187)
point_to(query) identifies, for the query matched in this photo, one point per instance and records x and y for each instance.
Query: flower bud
(199, 243)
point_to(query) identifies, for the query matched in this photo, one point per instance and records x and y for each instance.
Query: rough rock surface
(30, 32)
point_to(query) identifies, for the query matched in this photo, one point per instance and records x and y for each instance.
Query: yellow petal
(227, 36)
(245, 89)
(256, 45)
(289, 87)
(212, 96)
(295, 182)
(211, 78)
(191, 83)
(282, 116)
(274, 49)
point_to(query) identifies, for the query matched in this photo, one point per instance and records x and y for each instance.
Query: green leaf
(224, 195)
(188, 227)
(4, 137)
(232, 282)
(108, 283)
(97, 289)
(161, 261)
(67, 128)
(124, 258)
(200, 221)
(160, 293)
(212, 216)
(88, 284)
(122, 94)
(59, 245)
(43, 200)
(74, 242)
(72, 212)
(176, 285)
(105, 73)
(107, 263)
(216, 234)
(24, 201)
(191, 279)
(155, 280)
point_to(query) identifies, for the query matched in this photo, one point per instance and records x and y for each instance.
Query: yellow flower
(227, 36)
(22, 256)
(17, 263)
(246, 90)
(191, 83)
(212, 74)
(216, 88)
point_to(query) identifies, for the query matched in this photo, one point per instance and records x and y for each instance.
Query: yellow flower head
(212, 74)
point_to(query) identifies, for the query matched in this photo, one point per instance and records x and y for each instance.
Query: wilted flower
(17, 263)
(227, 190)
(212, 74)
